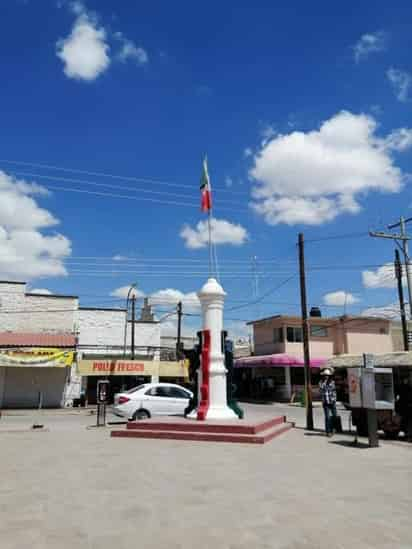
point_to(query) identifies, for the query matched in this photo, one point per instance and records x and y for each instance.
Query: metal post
(372, 417)
(179, 329)
(405, 247)
(398, 274)
(133, 323)
(305, 333)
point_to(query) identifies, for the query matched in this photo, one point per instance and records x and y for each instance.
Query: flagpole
(209, 226)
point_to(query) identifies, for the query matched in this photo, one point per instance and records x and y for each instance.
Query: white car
(152, 399)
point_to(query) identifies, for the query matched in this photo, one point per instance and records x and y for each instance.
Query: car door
(180, 399)
(159, 401)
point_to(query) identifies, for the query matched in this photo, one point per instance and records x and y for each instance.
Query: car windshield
(134, 389)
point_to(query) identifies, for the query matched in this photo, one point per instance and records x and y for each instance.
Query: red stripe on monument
(205, 387)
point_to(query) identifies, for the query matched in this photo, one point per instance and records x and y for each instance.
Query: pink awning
(277, 360)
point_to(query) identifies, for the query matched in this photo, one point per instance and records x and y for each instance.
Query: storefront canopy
(277, 360)
(114, 367)
(36, 357)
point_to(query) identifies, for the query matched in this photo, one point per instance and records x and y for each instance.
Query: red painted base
(174, 428)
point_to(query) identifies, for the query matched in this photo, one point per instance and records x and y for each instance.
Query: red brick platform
(179, 428)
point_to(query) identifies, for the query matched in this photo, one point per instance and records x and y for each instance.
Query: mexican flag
(205, 189)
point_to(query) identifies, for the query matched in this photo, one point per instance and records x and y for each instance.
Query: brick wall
(21, 312)
(102, 328)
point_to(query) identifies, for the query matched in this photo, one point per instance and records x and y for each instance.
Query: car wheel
(141, 414)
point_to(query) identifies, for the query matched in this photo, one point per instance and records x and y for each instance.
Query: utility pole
(404, 247)
(398, 274)
(179, 329)
(133, 323)
(305, 333)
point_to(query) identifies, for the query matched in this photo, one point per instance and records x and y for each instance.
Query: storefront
(125, 374)
(277, 377)
(30, 377)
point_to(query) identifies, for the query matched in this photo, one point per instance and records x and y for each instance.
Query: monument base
(215, 412)
(259, 430)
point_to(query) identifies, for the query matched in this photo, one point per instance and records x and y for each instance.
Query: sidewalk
(77, 487)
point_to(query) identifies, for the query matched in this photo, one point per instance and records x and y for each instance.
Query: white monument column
(212, 297)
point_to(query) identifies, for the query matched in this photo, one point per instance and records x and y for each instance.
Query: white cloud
(163, 297)
(124, 290)
(369, 43)
(85, 52)
(390, 311)
(171, 296)
(237, 330)
(223, 232)
(119, 257)
(383, 277)
(129, 51)
(313, 177)
(41, 291)
(399, 140)
(267, 133)
(401, 82)
(339, 298)
(27, 253)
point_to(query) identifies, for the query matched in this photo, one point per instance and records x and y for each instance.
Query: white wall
(56, 314)
(12, 298)
(100, 329)
(18, 311)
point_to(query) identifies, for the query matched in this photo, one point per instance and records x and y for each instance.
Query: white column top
(211, 288)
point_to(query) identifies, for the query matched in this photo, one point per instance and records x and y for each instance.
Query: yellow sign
(37, 357)
(113, 367)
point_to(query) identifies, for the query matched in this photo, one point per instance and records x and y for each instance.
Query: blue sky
(304, 113)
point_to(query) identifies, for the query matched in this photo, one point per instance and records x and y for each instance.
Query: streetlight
(132, 287)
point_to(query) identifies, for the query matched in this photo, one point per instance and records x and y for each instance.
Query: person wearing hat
(328, 393)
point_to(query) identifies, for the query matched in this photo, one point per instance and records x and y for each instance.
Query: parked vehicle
(152, 399)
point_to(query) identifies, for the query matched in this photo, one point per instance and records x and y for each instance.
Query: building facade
(276, 371)
(37, 345)
(52, 351)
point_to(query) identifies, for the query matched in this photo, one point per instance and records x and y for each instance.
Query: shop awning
(13, 339)
(114, 367)
(277, 360)
(42, 357)
(384, 360)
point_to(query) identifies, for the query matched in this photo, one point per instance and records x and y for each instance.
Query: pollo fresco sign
(114, 367)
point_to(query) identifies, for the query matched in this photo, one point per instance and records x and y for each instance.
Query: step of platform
(182, 424)
(211, 436)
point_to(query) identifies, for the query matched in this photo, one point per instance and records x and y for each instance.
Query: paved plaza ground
(73, 487)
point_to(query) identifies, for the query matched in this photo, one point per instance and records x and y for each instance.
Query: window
(134, 389)
(175, 392)
(318, 331)
(159, 392)
(294, 334)
(278, 335)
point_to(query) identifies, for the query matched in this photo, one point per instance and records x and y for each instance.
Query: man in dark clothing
(328, 393)
(404, 408)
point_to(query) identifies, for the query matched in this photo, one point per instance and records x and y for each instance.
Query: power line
(362, 234)
(138, 198)
(109, 175)
(272, 290)
(110, 185)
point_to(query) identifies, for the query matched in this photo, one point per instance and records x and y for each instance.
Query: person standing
(328, 394)
(404, 408)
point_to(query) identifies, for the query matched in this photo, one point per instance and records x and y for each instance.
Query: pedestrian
(404, 408)
(328, 393)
